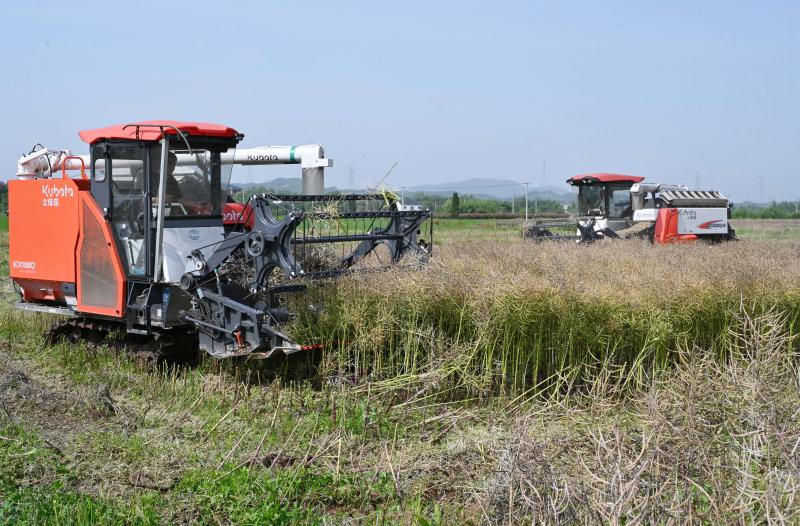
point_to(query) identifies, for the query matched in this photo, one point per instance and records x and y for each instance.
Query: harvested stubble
(491, 317)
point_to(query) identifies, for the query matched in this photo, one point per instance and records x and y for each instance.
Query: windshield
(591, 198)
(194, 181)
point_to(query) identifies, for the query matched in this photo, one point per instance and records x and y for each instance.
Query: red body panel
(605, 178)
(150, 133)
(43, 234)
(237, 214)
(99, 261)
(667, 228)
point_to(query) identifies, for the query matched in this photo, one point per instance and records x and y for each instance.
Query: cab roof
(604, 178)
(154, 131)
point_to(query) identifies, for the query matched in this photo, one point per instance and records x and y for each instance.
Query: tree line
(773, 210)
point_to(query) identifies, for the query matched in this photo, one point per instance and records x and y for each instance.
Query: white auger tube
(310, 157)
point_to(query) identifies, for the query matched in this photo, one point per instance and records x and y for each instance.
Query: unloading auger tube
(235, 319)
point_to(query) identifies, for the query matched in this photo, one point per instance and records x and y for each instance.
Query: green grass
(287, 497)
(447, 231)
(52, 505)
(188, 431)
(237, 494)
(35, 486)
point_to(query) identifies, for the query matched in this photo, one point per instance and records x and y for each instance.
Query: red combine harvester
(624, 206)
(143, 241)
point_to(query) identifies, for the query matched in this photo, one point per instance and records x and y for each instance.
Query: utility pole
(402, 195)
(526, 202)
(512, 205)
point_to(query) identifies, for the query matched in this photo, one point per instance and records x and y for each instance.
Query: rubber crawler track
(174, 345)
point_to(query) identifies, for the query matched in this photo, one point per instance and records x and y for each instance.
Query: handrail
(160, 127)
(64, 167)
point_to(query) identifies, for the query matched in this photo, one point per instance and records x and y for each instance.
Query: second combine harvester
(147, 241)
(624, 206)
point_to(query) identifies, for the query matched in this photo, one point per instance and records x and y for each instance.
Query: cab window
(193, 181)
(619, 202)
(591, 198)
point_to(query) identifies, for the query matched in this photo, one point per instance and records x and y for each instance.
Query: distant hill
(496, 188)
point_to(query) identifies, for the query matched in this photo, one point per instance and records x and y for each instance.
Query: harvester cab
(604, 204)
(144, 242)
(161, 210)
(624, 206)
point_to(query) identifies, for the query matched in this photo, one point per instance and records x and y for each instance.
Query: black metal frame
(233, 321)
(400, 233)
(276, 240)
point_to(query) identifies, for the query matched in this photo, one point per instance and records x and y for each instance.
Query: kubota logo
(233, 217)
(716, 223)
(57, 190)
(262, 157)
(24, 265)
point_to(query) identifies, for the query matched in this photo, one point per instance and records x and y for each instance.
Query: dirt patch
(30, 400)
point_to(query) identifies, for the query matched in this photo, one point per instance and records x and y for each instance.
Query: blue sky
(675, 91)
